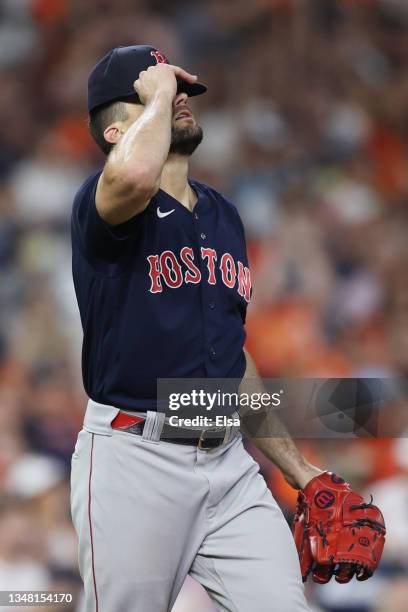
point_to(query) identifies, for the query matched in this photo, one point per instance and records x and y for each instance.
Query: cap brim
(191, 89)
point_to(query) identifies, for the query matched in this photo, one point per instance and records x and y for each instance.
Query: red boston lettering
(171, 273)
(228, 270)
(193, 274)
(154, 273)
(211, 254)
(244, 281)
(168, 267)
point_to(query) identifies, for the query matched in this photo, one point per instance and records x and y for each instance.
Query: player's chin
(185, 129)
(185, 138)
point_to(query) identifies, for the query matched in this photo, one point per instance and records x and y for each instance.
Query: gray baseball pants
(147, 513)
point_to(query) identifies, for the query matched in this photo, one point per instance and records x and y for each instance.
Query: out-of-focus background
(306, 126)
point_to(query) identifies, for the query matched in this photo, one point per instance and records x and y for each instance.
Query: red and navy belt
(205, 439)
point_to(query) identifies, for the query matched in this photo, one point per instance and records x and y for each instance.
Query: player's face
(186, 134)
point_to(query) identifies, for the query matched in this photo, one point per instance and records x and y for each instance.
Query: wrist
(303, 475)
(161, 96)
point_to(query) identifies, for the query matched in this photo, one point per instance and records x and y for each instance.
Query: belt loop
(153, 426)
(98, 418)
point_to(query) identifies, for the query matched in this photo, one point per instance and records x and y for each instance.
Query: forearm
(144, 147)
(277, 445)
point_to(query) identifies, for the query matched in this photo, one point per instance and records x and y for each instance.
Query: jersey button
(213, 353)
(203, 236)
(195, 216)
(212, 305)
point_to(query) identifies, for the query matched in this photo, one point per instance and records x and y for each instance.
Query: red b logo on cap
(159, 57)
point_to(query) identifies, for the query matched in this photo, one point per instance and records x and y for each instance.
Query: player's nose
(180, 99)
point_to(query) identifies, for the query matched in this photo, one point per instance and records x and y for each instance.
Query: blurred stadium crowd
(306, 126)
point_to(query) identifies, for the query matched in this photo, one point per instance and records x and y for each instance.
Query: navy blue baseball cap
(113, 76)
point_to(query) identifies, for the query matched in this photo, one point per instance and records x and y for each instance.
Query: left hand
(336, 532)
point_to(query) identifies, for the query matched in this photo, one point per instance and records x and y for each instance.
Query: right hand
(160, 78)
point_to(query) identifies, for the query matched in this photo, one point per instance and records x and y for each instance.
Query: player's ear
(114, 132)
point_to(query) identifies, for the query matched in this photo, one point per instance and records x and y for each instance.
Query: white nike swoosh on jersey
(161, 215)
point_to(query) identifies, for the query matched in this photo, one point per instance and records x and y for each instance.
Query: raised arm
(133, 169)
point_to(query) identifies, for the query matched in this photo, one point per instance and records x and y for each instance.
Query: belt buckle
(201, 441)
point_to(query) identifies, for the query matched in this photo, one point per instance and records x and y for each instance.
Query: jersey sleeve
(97, 238)
(244, 254)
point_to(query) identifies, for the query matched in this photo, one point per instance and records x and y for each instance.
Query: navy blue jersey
(163, 295)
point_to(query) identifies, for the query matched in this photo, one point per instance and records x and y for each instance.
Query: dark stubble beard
(185, 140)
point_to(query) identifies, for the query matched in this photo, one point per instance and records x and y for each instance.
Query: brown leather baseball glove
(336, 532)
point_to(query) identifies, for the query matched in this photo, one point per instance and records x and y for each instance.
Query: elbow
(140, 183)
(122, 194)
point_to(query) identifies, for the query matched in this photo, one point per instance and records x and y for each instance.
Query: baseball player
(162, 281)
